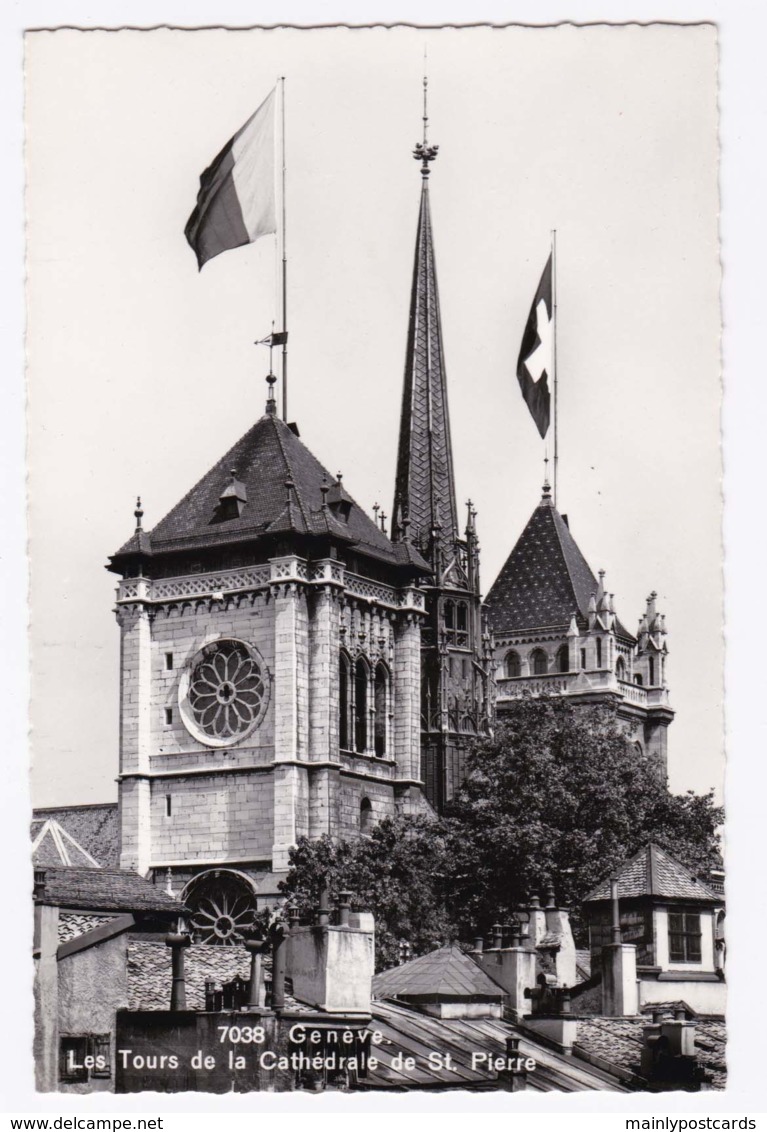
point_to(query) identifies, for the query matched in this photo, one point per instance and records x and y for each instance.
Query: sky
(142, 372)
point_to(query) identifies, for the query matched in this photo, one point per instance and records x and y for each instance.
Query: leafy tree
(559, 793)
(399, 873)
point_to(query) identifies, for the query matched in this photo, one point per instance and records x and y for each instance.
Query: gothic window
(563, 659)
(651, 672)
(512, 663)
(620, 669)
(599, 652)
(449, 614)
(638, 679)
(344, 702)
(382, 708)
(223, 693)
(366, 816)
(583, 658)
(539, 662)
(222, 907)
(360, 706)
(684, 937)
(463, 617)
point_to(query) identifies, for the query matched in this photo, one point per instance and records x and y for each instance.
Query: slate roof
(545, 578)
(95, 828)
(406, 1031)
(265, 459)
(52, 845)
(446, 974)
(112, 890)
(619, 1041)
(654, 872)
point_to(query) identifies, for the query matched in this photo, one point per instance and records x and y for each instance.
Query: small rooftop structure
(654, 872)
(445, 982)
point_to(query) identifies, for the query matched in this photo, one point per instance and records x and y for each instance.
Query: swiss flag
(534, 362)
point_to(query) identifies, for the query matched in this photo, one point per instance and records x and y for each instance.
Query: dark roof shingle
(446, 973)
(113, 890)
(654, 872)
(544, 580)
(96, 828)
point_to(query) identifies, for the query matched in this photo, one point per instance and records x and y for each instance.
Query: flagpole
(554, 354)
(284, 265)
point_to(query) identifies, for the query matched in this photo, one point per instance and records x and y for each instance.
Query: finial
(139, 513)
(546, 484)
(376, 509)
(406, 529)
(383, 521)
(424, 152)
(271, 404)
(324, 488)
(289, 485)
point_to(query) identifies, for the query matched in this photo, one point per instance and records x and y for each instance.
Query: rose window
(222, 909)
(224, 692)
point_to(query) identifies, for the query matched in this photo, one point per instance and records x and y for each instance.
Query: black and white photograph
(376, 638)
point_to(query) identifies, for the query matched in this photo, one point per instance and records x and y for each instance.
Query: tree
(559, 793)
(399, 873)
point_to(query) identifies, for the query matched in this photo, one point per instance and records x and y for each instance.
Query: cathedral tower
(270, 672)
(455, 657)
(556, 631)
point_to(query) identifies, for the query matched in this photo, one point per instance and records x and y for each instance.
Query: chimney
(331, 965)
(256, 997)
(620, 994)
(177, 941)
(38, 891)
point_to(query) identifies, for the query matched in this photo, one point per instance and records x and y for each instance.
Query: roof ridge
(559, 527)
(291, 470)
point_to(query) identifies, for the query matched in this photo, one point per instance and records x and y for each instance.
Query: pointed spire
(425, 483)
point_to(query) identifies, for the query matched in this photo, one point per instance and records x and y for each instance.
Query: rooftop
(110, 890)
(94, 830)
(654, 872)
(268, 484)
(444, 974)
(545, 579)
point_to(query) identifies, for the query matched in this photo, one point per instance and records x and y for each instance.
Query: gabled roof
(654, 872)
(111, 890)
(52, 845)
(95, 829)
(545, 579)
(444, 975)
(265, 460)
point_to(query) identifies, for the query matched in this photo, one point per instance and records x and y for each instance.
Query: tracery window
(223, 693)
(360, 706)
(344, 701)
(381, 695)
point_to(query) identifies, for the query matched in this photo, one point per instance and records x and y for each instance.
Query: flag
(535, 357)
(236, 201)
(276, 338)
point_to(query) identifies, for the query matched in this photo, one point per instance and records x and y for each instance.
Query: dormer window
(339, 501)
(232, 499)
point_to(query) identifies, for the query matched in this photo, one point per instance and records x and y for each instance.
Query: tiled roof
(52, 845)
(74, 924)
(444, 974)
(94, 828)
(654, 872)
(406, 1031)
(112, 890)
(619, 1040)
(265, 459)
(583, 964)
(545, 578)
(149, 973)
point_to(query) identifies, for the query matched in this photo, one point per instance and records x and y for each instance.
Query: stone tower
(455, 655)
(270, 674)
(556, 630)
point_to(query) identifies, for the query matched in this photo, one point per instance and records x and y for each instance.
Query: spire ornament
(424, 152)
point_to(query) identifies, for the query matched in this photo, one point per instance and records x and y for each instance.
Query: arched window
(366, 816)
(638, 679)
(463, 615)
(539, 662)
(563, 659)
(449, 614)
(344, 702)
(382, 708)
(620, 668)
(599, 652)
(360, 706)
(511, 663)
(651, 672)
